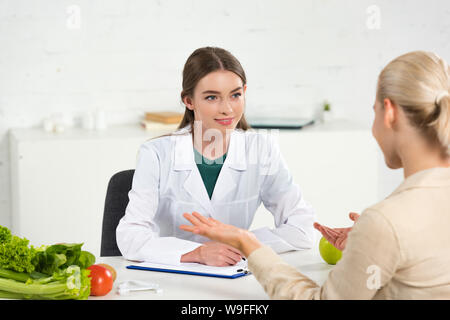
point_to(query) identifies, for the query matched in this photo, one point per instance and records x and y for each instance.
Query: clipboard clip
(245, 271)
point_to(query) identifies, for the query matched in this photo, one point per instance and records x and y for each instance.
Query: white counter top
(135, 131)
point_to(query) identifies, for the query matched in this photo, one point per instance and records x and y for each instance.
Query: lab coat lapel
(196, 188)
(184, 161)
(235, 160)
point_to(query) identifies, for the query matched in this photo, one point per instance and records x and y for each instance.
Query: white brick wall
(127, 56)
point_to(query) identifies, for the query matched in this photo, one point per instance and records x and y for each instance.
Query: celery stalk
(71, 283)
(14, 275)
(10, 295)
(31, 288)
(57, 296)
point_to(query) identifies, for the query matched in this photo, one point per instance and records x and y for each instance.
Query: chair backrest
(115, 204)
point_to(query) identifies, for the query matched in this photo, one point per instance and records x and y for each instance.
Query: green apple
(328, 252)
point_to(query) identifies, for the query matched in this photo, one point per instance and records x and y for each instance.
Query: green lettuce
(15, 253)
(56, 271)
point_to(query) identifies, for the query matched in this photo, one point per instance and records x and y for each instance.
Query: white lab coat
(167, 183)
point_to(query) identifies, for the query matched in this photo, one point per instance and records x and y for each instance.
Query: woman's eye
(236, 95)
(210, 98)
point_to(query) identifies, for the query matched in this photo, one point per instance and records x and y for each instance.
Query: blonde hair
(419, 82)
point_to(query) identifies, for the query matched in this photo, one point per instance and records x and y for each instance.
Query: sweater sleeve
(368, 262)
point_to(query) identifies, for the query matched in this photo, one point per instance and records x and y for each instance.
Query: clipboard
(196, 269)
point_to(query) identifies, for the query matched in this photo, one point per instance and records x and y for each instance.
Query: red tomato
(101, 280)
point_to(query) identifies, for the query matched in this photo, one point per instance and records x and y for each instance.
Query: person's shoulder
(398, 205)
(397, 211)
(384, 210)
(164, 144)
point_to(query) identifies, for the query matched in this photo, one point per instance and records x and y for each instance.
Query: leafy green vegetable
(70, 283)
(15, 254)
(57, 271)
(86, 259)
(14, 275)
(60, 256)
(5, 235)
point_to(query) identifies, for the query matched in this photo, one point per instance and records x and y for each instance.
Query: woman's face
(385, 135)
(218, 100)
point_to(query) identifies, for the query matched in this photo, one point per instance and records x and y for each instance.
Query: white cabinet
(337, 168)
(59, 181)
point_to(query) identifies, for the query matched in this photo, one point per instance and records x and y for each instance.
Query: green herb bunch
(49, 272)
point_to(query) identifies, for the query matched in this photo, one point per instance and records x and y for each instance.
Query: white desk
(190, 287)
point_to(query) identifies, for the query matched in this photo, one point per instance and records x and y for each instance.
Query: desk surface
(189, 287)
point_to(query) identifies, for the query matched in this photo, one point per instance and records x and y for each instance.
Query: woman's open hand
(213, 229)
(336, 236)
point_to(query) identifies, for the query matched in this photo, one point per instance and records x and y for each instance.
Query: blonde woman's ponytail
(419, 82)
(442, 123)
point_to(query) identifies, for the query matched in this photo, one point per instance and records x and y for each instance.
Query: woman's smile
(225, 121)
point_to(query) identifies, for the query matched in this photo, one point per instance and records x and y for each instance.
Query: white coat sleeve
(293, 216)
(137, 233)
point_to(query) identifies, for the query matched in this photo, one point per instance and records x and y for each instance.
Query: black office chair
(115, 204)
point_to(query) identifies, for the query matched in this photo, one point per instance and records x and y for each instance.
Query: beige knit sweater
(398, 249)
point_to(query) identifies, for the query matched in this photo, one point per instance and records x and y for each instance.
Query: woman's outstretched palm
(336, 236)
(212, 229)
(243, 240)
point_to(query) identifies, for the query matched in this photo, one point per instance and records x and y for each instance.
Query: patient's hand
(243, 241)
(336, 236)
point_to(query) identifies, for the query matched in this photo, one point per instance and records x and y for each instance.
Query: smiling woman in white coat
(213, 164)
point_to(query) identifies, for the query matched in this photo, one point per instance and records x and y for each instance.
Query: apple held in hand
(328, 252)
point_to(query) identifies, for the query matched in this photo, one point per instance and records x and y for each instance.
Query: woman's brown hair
(200, 63)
